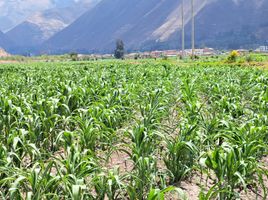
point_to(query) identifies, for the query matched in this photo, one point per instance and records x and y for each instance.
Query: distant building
(157, 54)
(94, 56)
(171, 53)
(242, 51)
(262, 49)
(209, 52)
(107, 56)
(202, 52)
(199, 52)
(146, 55)
(132, 55)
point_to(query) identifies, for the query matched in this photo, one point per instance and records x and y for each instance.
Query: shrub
(194, 57)
(164, 58)
(137, 56)
(249, 58)
(73, 56)
(233, 56)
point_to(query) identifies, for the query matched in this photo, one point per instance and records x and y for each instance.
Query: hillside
(235, 24)
(133, 21)
(154, 24)
(4, 41)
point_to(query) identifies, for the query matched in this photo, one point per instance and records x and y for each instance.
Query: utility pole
(182, 29)
(193, 30)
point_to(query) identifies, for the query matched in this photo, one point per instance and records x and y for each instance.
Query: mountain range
(42, 25)
(143, 25)
(14, 12)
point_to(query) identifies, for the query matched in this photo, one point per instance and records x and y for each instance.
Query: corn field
(122, 130)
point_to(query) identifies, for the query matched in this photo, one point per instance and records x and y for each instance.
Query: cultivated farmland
(133, 130)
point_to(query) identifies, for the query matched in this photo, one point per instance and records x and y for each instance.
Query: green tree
(73, 56)
(120, 49)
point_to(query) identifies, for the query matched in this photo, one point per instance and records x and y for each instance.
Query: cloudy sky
(12, 12)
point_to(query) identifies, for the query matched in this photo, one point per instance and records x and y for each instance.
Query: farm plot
(121, 130)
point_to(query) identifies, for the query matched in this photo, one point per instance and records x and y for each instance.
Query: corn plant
(179, 158)
(157, 194)
(60, 123)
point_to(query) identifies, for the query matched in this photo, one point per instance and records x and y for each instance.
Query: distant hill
(42, 25)
(233, 24)
(133, 21)
(155, 24)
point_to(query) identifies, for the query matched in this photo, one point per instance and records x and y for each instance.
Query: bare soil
(7, 61)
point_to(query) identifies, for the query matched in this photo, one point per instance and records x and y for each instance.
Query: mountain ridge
(143, 25)
(122, 18)
(153, 24)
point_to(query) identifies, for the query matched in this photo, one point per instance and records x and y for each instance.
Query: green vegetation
(119, 50)
(233, 56)
(132, 130)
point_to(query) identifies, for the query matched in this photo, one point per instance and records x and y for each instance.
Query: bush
(249, 58)
(137, 56)
(233, 56)
(164, 58)
(194, 57)
(73, 56)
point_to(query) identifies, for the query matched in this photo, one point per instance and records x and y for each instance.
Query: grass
(62, 122)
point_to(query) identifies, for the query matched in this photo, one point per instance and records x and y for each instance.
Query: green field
(133, 130)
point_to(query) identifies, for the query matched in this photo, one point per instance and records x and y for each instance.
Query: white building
(263, 49)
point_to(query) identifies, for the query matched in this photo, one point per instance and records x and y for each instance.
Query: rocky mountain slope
(233, 24)
(152, 24)
(133, 21)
